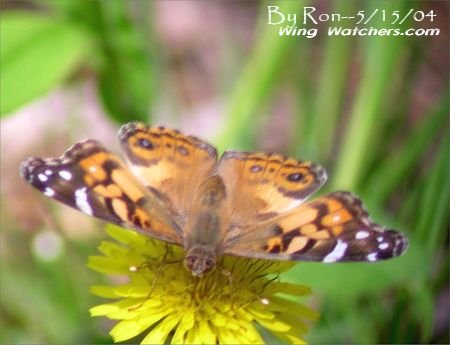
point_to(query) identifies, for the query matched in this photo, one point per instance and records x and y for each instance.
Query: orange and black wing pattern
(332, 228)
(96, 182)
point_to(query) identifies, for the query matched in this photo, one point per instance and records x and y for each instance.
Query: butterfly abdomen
(205, 226)
(203, 241)
(206, 229)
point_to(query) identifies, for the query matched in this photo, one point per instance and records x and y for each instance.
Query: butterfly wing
(91, 179)
(332, 228)
(170, 164)
(262, 186)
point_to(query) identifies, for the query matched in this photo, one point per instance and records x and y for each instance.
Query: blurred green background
(372, 110)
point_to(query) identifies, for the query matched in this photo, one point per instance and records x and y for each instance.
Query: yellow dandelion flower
(227, 306)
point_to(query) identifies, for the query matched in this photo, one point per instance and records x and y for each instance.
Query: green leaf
(127, 76)
(37, 53)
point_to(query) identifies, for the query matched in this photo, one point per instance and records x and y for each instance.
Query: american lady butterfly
(174, 188)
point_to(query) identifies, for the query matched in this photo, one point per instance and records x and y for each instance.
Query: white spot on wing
(383, 245)
(337, 253)
(336, 218)
(372, 257)
(48, 172)
(49, 192)
(93, 168)
(42, 178)
(66, 175)
(380, 238)
(81, 200)
(361, 235)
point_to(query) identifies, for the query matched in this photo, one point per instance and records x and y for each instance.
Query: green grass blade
(381, 57)
(402, 162)
(424, 306)
(126, 79)
(433, 210)
(257, 80)
(337, 55)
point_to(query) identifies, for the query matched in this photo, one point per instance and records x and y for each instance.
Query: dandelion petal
(186, 323)
(125, 330)
(207, 336)
(159, 334)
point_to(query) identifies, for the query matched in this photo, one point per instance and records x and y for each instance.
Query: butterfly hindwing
(91, 179)
(332, 228)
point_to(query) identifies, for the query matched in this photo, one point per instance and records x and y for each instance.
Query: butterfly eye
(190, 260)
(209, 265)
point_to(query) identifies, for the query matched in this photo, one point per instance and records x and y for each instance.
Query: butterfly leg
(159, 266)
(260, 294)
(229, 276)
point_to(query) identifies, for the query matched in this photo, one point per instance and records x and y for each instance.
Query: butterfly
(174, 188)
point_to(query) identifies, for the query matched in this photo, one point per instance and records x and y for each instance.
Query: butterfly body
(203, 240)
(174, 188)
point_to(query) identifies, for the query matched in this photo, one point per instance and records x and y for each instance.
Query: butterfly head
(200, 259)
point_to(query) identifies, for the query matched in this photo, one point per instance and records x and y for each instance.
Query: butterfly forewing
(261, 186)
(91, 179)
(169, 163)
(333, 228)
